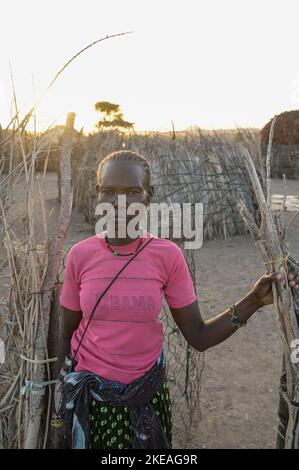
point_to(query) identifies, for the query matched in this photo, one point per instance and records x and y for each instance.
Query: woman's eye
(106, 191)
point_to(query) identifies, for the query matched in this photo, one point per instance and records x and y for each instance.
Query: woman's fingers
(269, 277)
(293, 280)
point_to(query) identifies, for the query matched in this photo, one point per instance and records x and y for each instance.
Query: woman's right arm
(69, 323)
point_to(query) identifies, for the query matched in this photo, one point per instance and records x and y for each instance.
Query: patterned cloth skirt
(110, 427)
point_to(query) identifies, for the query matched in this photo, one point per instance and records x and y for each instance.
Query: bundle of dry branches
(270, 237)
(32, 261)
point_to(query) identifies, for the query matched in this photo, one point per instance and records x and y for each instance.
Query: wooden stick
(56, 246)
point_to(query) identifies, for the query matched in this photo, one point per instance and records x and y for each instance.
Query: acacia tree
(112, 117)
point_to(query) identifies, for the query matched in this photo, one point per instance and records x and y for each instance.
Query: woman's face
(120, 177)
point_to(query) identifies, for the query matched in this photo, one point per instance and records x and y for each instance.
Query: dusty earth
(239, 396)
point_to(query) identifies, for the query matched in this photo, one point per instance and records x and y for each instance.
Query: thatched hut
(285, 148)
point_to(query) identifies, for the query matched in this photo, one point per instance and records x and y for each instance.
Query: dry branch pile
(270, 237)
(30, 263)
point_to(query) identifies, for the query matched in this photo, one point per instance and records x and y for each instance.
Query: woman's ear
(98, 187)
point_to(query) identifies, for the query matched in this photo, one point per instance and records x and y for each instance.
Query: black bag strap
(104, 292)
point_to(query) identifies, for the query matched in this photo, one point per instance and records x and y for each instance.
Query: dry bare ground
(239, 396)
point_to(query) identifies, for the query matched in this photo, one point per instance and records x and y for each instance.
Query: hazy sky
(213, 63)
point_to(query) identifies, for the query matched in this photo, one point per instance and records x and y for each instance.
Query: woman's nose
(120, 202)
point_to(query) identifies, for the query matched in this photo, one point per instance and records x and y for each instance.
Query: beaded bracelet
(234, 317)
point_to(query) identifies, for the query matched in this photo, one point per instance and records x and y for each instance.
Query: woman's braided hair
(127, 155)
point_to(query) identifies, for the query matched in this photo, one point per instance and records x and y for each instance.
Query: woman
(116, 395)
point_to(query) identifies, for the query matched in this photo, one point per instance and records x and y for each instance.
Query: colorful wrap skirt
(110, 426)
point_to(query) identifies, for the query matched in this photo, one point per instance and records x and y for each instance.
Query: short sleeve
(70, 291)
(179, 290)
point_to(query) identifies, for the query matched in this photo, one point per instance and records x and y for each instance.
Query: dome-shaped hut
(285, 147)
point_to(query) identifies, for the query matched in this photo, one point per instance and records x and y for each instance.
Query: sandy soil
(239, 396)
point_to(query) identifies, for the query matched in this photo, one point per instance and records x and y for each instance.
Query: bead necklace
(117, 253)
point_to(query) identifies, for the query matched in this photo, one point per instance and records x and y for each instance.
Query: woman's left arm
(203, 335)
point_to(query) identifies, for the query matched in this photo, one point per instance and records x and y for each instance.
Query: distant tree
(112, 117)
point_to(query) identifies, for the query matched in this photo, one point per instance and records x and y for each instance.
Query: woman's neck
(119, 241)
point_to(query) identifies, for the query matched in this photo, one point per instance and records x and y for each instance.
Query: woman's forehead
(123, 173)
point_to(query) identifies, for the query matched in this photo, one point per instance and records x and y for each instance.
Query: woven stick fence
(270, 237)
(195, 167)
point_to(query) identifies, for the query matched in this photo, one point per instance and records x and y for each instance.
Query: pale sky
(213, 63)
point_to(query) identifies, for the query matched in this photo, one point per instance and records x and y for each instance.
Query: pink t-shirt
(125, 336)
